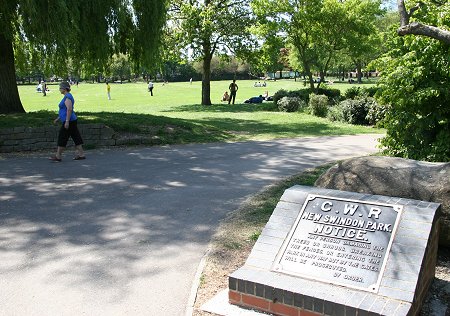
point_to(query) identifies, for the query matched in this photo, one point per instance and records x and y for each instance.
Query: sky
(390, 4)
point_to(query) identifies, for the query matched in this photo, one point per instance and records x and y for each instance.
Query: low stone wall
(35, 138)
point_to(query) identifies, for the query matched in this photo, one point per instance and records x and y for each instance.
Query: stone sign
(340, 241)
(330, 252)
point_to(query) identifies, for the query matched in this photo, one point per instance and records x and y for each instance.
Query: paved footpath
(123, 232)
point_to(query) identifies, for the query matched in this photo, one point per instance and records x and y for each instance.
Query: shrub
(352, 93)
(302, 94)
(330, 93)
(289, 104)
(360, 92)
(279, 94)
(416, 85)
(377, 112)
(303, 106)
(362, 109)
(357, 111)
(305, 93)
(370, 91)
(318, 105)
(345, 106)
(336, 113)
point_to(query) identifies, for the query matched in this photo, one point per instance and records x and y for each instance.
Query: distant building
(285, 74)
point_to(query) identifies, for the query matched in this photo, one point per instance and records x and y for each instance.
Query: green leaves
(87, 30)
(209, 28)
(221, 25)
(415, 82)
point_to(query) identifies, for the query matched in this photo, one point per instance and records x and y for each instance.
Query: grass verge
(173, 115)
(202, 124)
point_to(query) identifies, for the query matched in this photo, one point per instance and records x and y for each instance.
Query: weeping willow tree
(84, 31)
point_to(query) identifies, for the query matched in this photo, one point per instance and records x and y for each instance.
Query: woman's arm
(69, 107)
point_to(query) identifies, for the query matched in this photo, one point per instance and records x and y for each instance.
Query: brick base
(266, 305)
(403, 283)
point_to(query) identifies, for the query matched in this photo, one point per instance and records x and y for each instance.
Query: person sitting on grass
(266, 96)
(225, 96)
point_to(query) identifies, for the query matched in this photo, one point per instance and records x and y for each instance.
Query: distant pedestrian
(108, 90)
(44, 88)
(69, 126)
(190, 81)
(233, 89)
(150, 87)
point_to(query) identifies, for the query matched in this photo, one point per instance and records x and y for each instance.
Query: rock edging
(398, 177)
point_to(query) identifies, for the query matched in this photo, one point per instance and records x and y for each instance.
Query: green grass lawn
(175, 115)
(134, 98)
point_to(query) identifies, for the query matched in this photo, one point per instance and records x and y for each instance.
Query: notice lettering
(340, 241)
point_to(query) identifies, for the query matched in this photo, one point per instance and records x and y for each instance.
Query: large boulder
(395, 177)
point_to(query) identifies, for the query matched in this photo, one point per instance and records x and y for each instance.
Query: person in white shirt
(150, 87)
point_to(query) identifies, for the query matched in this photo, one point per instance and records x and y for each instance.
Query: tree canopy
(316, 29)
(211, 27)
(88, 31)
(415, 80)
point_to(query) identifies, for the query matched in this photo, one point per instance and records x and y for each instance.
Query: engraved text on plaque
(340, 241)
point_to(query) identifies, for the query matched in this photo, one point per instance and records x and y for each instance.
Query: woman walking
(69, 125)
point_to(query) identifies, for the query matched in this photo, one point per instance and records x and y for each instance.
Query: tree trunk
(9, 95)
(309, 74)
(322, 78)
(359, 72)
(311, 80)
(206, 76)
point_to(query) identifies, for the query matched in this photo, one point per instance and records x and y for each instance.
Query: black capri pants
(72, 131)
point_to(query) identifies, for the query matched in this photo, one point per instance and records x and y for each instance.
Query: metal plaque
(340, 241)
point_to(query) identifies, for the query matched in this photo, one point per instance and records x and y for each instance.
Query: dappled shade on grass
(174, 115)
(214, 124)
(224, 107)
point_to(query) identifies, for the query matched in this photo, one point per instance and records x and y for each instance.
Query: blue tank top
(63, 108)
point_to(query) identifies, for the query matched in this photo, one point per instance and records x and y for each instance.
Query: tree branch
(425, 30)
(405, 16)
(416, 28)
(413, 9)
